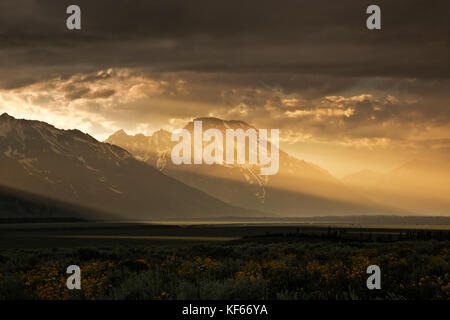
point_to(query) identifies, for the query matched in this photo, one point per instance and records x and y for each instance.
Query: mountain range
(61, 172)
(299, 188)
(73, 167)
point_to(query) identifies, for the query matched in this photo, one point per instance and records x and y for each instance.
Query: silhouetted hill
(19, 206)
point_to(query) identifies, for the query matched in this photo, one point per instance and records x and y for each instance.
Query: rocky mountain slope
(299, 188)
(72, 166)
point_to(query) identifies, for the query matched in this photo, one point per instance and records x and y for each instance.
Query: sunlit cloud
(111, 99)
(89, 102)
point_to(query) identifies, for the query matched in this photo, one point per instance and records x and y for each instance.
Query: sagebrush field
(291, 265)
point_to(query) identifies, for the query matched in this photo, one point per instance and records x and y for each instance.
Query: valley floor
(215, 261)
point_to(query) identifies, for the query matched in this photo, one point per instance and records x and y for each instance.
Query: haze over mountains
(298, 189)
(72, 166)
(421, 186)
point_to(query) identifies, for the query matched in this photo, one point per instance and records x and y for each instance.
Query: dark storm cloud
(77, 93)
(297, 37)
(239, 59)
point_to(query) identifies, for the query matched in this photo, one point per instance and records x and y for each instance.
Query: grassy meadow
(222, 261)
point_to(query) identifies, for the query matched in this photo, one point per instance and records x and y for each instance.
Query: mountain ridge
(72, 166)
(318, 192)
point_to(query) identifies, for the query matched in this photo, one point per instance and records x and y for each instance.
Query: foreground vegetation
(273, 269)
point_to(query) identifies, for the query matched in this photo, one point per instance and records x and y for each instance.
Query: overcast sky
(343, 97)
